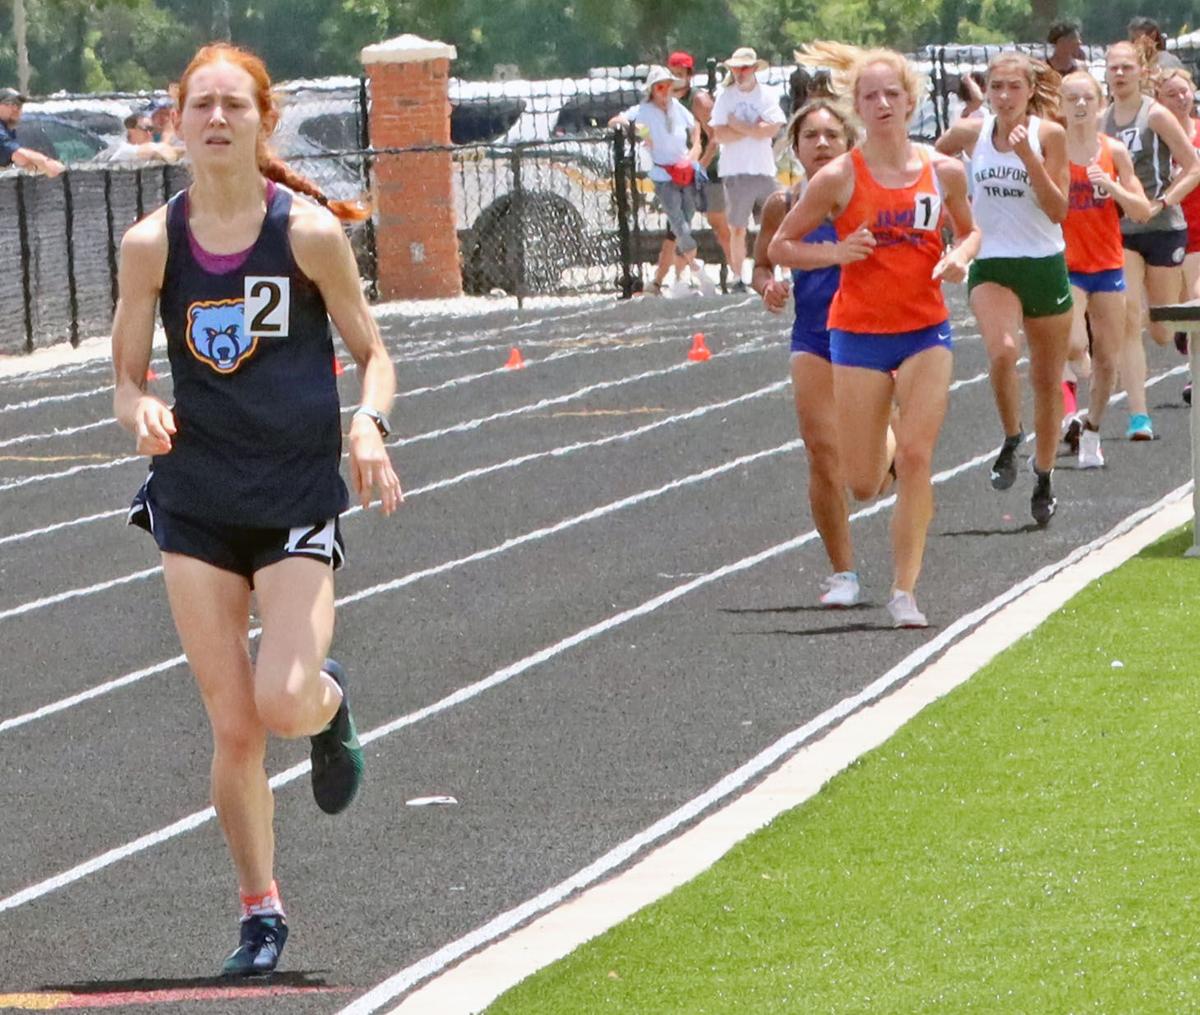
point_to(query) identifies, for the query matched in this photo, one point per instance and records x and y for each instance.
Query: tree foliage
(87, 45)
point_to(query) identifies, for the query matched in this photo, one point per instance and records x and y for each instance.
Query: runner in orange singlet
(1102, 180)
(887, 201)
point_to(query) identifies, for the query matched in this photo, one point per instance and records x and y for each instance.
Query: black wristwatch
(376, 417)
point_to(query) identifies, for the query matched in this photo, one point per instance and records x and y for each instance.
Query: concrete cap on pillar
(407, 49)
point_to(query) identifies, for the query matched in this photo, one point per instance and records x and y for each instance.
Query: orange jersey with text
(1092, 229)
(892, 290)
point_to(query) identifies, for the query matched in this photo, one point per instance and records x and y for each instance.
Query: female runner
(1102, 180)
(886, 200)
(244, 491)
(1021, 183)
(1155, 249)
(1177, 91)
(818, 133)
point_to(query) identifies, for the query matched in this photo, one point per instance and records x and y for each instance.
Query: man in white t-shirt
(745, 119)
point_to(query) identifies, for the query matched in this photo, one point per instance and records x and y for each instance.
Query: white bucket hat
(656, 76)
(746, 57)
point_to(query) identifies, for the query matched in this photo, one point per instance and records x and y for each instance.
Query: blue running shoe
(1139, 428)
(262, 941)
(337, 757)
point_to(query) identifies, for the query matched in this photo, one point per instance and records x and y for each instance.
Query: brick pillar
(417, 239)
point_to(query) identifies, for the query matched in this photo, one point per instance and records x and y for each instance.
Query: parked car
(58, 138)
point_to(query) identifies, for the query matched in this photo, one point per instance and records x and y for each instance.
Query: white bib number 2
(928, 212)
(267, 299)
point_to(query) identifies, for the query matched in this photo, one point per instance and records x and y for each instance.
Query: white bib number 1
(267, 299)
(928, 212)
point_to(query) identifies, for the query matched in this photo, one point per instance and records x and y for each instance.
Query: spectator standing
(139, 145)
(970, 94)
(162, 121)
(670, 134)
(745, 119)
(699, 102)
(1147, 28)
(11, 152)
(1066, 53)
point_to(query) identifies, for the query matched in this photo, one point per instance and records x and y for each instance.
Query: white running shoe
(1090, 455)
(903, 608)
(841, 590)
(679, 289)
(707, 286)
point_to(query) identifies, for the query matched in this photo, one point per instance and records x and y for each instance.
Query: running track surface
(544, 504)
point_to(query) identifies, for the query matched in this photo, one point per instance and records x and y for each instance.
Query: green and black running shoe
(262, 941)
(337, 757)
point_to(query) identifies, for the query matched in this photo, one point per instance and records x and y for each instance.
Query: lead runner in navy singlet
(244, 489)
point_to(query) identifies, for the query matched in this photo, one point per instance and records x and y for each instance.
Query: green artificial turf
(1026, 844)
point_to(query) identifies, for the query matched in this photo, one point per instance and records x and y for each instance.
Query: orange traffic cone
(699, 351)
(515, 360)
(338, 369)
(151, 374)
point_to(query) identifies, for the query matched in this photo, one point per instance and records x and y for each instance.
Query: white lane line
(560, 451)
(754, 344)
(441, 484)
(48, 435)
(473, 984)
(508, 544)
(76, 470)
(501, 676)
(51, 399)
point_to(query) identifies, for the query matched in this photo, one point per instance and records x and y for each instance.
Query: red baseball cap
(681, 59)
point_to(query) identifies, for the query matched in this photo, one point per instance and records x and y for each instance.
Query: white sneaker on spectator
(679, 289)
(1090, 455)
(840, 590)
(707, 286)
(903, 608)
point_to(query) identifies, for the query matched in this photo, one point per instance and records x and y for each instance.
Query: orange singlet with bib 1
(888, 306)
(1092, 230)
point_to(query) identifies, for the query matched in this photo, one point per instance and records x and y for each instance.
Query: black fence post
(26, 257)
(72, 282)
(141, 198)
(621, 183)
(112, 240)
(368, 163)
(516, 208)
(944, 105)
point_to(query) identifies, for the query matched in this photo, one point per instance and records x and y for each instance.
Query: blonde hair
(1175, 72)
(1146, 54)
(847, 63)
(1082, 75)
(1044, 81)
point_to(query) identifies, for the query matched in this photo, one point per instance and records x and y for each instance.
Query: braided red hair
(270, 165)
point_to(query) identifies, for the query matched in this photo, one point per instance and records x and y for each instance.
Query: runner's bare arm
(1050, 174)
(1126, 189)
(773, 292)
(143, 260)
(952, 175)
(826, 195)
(959, 138)
(323, 253)
(1182, 153)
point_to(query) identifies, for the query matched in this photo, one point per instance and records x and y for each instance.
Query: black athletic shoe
(337, 757)
(1072, 431)
(1042, 504)
(1004, 468)
(262, 941)
(1187, 393)
(739, 288)
(1181, 342)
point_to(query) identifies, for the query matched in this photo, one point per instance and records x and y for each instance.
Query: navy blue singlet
(256, 406)
(814, 290)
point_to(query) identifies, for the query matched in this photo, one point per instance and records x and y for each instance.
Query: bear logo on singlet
(216, 334)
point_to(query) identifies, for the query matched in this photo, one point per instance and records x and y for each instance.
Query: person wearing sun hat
(11, 152)
(671, 137)
(746, 118)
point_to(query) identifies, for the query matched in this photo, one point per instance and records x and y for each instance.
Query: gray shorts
(746, 194)
(714, 196)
